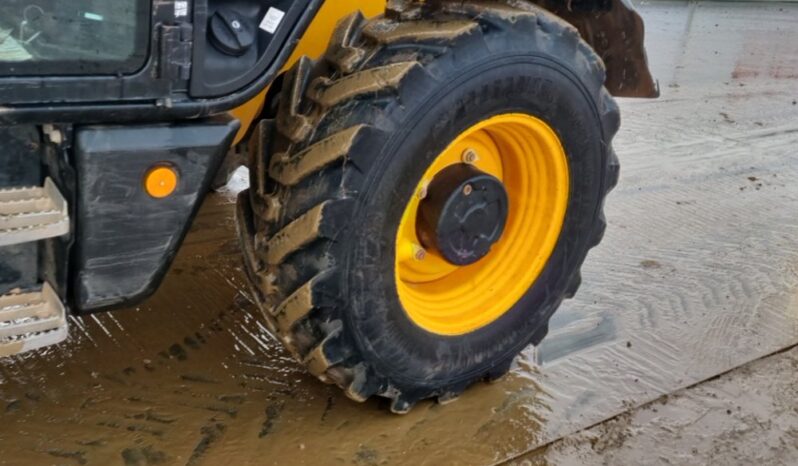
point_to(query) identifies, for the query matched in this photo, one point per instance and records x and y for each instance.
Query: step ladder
(31, 214)
(31, 320)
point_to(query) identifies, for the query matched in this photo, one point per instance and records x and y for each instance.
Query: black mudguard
(615, 31)
(125, 239)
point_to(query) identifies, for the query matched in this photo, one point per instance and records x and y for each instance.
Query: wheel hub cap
(463, 214)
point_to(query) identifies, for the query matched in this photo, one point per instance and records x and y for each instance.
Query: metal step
(31, 214)
(31, 320)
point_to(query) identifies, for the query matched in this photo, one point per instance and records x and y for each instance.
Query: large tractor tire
(425, 197)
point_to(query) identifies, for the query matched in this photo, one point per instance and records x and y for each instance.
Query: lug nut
(422, 192)
(467, 189)
(419, 253)
(470, 156)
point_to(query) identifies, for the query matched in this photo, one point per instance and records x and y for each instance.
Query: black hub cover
(463, 214)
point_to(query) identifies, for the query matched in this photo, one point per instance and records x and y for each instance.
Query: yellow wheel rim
(526, 155)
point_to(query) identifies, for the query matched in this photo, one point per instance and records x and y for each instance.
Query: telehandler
(426, 177)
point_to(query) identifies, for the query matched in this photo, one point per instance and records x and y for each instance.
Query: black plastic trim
(214, 73)
(125, 239)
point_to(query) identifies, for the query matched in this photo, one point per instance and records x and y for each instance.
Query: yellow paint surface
(313, 44)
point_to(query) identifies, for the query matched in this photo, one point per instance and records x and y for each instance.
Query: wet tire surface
(697, 274)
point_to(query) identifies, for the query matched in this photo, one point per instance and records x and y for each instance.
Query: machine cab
(138, 50)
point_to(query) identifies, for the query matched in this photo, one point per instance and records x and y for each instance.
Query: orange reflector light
(160, 181)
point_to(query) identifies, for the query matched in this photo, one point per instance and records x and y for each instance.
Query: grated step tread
(31, 320)
(32, 213)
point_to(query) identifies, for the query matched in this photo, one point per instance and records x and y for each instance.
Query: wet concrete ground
(698, 274)
(744, 417)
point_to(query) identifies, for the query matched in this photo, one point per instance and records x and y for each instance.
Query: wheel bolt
(470, 156)
(467, 189)
(422, 192)
(419, 253)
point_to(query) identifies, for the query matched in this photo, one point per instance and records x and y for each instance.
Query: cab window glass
(54, 37)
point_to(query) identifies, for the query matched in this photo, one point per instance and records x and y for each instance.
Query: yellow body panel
(526, 155)
(313, 44)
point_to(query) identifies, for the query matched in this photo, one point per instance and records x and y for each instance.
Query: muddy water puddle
(697, 274)
(191, 377)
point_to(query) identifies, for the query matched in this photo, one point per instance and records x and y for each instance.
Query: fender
(615, 31)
